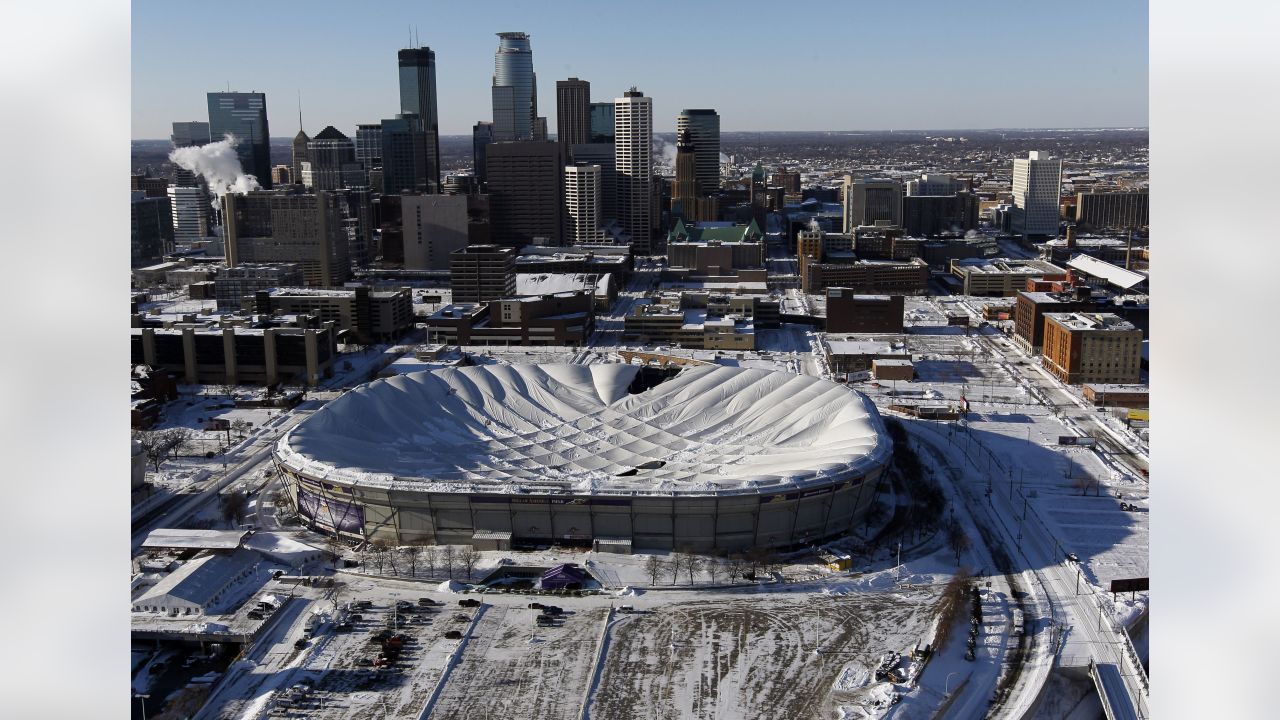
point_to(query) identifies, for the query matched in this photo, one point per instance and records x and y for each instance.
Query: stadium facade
(711, 459)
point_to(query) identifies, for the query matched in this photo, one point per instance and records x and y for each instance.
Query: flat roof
(1091, 321)
(1113, 274)
(195, 539)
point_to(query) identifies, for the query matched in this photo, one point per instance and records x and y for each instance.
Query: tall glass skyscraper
(418, 97)
(704, 131)
(515, 88)
(245, 116)
(601, 122)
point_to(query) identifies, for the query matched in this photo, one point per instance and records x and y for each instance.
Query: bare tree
(241, 427)
(449, 559)
(379, 550)
(468, 559)
(176, 439)
(334, 545)
(233, 506)
(653, 566)
(693, 565)
(736, 565)
(677, 564)
(413, 552)
(432, 558)
(152, 446)
(713, 567)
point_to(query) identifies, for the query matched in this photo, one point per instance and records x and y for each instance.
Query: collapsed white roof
(574, 428)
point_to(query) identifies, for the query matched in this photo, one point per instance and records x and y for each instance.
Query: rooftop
(1094, 321)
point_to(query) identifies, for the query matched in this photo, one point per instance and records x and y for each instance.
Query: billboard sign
(331, 514)
(1130, 585)
(1144, 414)
(1085, 441)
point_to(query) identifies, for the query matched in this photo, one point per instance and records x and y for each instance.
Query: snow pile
(630, 592)
(451, 586)
(853, 676)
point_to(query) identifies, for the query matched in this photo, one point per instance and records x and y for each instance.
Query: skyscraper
(582, 201)
(190, 134)
(481, 137)
(189, 210)
(301, 153)
(403, 160)
(1037, 186)
(704, 131)
(332, 164)
(418, 97)
(526, 192)
(601, 154)
(245, 116)
(515, 88)
(369, 145)
(633, 159)
(867, 202)
(573, 111)
(685, 192)
(601, 122)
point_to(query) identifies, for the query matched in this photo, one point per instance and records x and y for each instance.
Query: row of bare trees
(739, 565)
(413, 560)
(160, 445)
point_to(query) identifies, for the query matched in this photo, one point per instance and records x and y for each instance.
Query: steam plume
(218, 164)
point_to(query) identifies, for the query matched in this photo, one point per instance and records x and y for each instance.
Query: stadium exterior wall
(703, 523)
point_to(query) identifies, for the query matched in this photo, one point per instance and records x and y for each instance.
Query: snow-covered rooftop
(574, 428)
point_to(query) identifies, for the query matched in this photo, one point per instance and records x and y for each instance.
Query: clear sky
(762, 65)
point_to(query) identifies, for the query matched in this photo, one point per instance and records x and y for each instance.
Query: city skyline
(895, 81)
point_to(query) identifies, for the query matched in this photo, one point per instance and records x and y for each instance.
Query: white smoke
(218, 164)
(725, 159)
(664, 153)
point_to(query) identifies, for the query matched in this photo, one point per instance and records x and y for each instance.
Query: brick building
(1098, 348)
(849, 312)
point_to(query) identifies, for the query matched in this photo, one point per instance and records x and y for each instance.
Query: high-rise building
(434, 227)
(582, 201)
(1037, 187)
(300, 153)
(685, 192)
(244, 115)
(403, 160)
(150, 228)
(190, 211)
(481, 138)
(515, 88)
(310, 229)
(633, 160)
(418, 97)
(332, 164)
(480, 273)
(601, 122)
(601, 154)
(867, 202)
(573, 111)
(1113, 210)
(190, 134)
(369, 146)
(281, 175)
(704, 131)
(526, 193)
(933, 184)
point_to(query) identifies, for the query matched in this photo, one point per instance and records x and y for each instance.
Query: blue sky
(762, 65)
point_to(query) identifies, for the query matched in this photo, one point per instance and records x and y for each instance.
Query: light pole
(142, 699)
(946, 688)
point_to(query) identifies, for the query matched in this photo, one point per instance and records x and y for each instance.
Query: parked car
(300, 643)
(1073, 557)
(461, 618)
(626, 609)
(427, 602)
(453, 635)
(535, 606)
(469, 602)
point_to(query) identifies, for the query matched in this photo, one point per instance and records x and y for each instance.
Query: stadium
(611, 456)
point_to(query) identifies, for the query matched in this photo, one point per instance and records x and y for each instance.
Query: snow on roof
(862, 347)
(199, 581)
(195, 539)
(281, 547)
(1113, 274)
(561, 428)
(535, 284)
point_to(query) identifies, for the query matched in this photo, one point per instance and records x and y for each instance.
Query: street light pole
(946, 688)
(143, 699)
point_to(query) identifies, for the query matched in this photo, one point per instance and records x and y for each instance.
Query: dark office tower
(684, 195)
(150, 228)
(333, 163)
(573, 111)
(245, 116)
(369, 146)
(704, 130)
(601, 122)
(481, 273)
(403, 161)
(515, 88)
(190, 134)
(418, 97)
(526, 193)
(481, 138)
(301, 154)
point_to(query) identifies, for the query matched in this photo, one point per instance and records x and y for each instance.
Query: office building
(190, 134)
(933, 184)
(149, 186)
(686, 190)
(480, 273)
(526, 193)
(715, 250)
(933, 215)
(190, 210)
(601, 122)
(564, 319)
(880, 277)
(850, 312)
(261, 352)
(418, 98)
(573, 111)
(404, 158)
(359, 314)
(369, 148)
(434, 226)
(244, 115)
(1001, 276)
(633, 162)
(582, 203)
(867, 202)
(310, 229)
(281, 175)
(1112, 210)
(1037, 187)
(481, 138)
(332, 164)
(1093, 348)
(300, 152)
(233, 284)
(1030, 309)
(704, 132)
(788, 180)
(150, 228)
(515, 90)
(601, 154)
